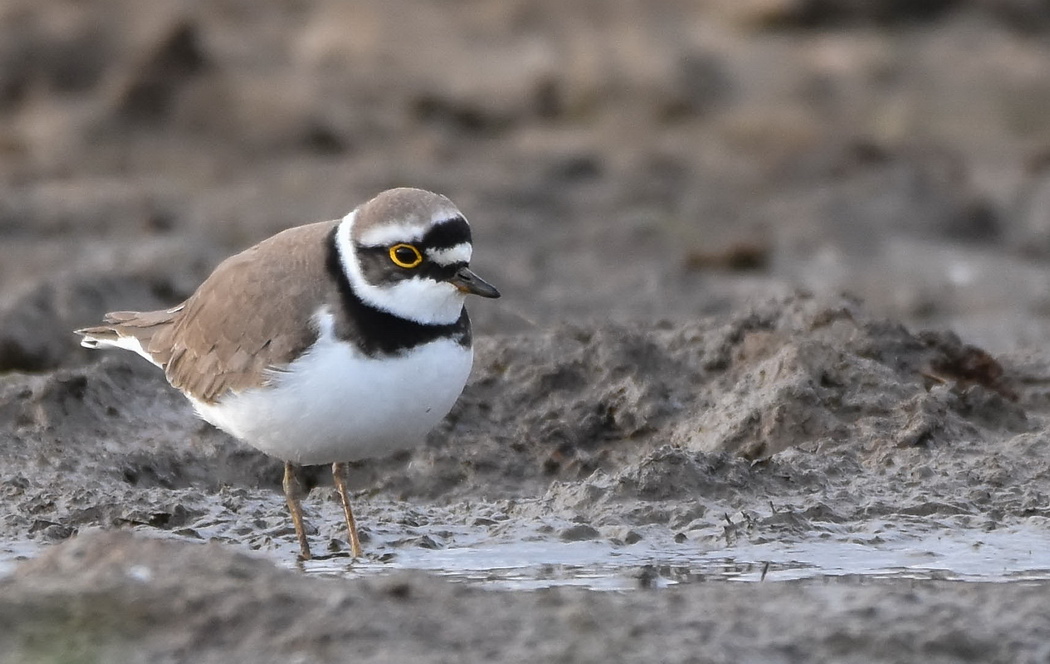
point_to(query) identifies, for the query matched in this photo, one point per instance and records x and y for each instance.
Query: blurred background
(618, 159)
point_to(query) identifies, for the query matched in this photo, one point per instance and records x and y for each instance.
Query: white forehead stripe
(388, 234)
(452, 255)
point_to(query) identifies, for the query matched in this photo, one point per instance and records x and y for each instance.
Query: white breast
(335, 404)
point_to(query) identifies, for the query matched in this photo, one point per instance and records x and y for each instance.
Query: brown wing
(253, 314)
(250, 316)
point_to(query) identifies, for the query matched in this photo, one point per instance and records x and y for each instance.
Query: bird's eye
(405, 255)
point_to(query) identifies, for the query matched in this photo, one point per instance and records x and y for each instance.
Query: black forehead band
(447, 234)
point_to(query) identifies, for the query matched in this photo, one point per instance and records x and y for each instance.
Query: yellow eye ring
(405, 255)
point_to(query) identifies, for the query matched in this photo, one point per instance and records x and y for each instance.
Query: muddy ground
(774, 275)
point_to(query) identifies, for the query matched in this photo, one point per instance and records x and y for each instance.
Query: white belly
(334, 404)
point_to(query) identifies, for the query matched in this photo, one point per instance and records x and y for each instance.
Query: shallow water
(1020, 553)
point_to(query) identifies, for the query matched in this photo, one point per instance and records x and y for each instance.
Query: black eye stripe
(440, 272)
(375, 263)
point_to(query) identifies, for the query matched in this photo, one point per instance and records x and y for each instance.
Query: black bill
(468, 282)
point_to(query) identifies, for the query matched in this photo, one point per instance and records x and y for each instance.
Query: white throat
(422, 300)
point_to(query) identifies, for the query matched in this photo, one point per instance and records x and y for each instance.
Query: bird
(326, 343)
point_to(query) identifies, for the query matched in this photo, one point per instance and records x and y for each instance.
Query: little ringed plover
(325, 343)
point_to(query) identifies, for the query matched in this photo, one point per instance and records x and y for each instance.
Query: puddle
(11, 553)
(1003, 555)
(470, 555)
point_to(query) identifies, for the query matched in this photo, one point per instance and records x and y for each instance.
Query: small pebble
(578, 533)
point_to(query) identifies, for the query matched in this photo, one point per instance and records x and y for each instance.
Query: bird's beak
(468, 282)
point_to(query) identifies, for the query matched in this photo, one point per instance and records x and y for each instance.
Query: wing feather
(251, 317)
